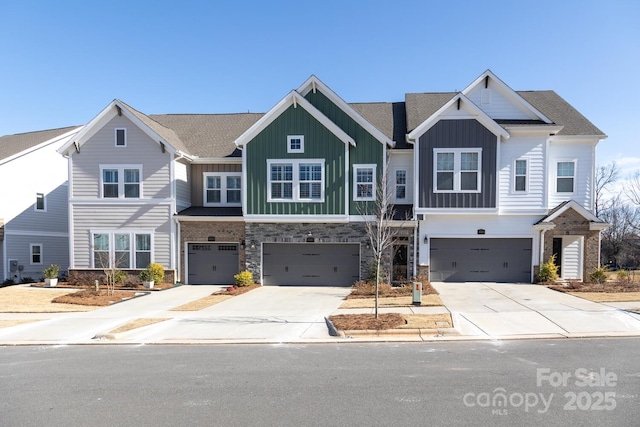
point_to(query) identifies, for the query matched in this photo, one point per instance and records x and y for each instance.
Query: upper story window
(121, 137)
(401, 184)
(222, 189)
(520, 171)
(295, 144)
(295, 180)
(565, 177)
(36, 253)
(41, 204)
(457, 170)
(364, 182)
(121, 249)
(121, 181)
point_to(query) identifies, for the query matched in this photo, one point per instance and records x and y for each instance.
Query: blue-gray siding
(458, 134)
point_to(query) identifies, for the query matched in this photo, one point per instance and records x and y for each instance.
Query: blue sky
(62, 62)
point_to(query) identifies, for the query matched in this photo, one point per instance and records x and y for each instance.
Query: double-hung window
(121, 181)
(401, 185)
(300, 180)
(36, 253)
(565, 177)
(520, 176)
(364, 182)
(222, 189)
(121, 249)
(457, 170)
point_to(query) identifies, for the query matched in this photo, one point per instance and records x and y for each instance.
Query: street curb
(333, 331)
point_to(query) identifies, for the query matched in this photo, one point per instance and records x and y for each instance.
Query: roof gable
(295, 99)
(315, 84)
(13, 146)
(488, 80)
(458, 107)
(162, 135)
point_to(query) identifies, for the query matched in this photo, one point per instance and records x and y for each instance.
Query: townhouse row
(485, 184)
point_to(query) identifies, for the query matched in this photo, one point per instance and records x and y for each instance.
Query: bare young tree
(632, 188)
(605, 176)
(378, 216)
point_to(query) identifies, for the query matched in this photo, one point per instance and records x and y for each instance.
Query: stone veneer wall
(200, 231)
(572, 223)
(258, 233)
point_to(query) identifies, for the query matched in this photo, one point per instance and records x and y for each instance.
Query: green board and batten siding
(319, 143)
(368, 150)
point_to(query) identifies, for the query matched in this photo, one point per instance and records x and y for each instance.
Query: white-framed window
(121, 248)
(35, 251)
(565, 176)
(121, 181)
(364, 182)
(222, 188)
(41, 203)
(300, 180)
(295, 144)
(121, 137)
(457, 170)
(520, 176)
(401, 184)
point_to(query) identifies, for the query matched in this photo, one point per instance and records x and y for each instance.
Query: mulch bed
(236, 290)
(348, 322)
(608, 287)
(91, 297)
(139, 287)
(367, 290)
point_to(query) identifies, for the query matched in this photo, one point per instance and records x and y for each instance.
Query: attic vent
(485, 97)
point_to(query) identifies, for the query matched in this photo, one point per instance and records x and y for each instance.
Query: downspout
(178, 248)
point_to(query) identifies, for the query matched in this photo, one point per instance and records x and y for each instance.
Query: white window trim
(295, 163)
(31, 246)
(121, 182)
(456, 169)
(44, 202)
(293, 150)
(374, 184)
(514, 175)
(406, 185)
(132, 241)
(575, 175)
(223, 188)
(115, 136)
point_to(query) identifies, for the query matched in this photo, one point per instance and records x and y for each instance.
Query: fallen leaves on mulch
(236, 290)
(348, 322)
(138, 323)
(215, 298)
(368, 289)
(93, 298)
(608, 287)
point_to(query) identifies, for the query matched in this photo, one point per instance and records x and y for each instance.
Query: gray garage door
(481, 260)
(212, 263)
(310, 264)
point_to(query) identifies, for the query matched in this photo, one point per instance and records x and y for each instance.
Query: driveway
(266, 314)
(498, 310)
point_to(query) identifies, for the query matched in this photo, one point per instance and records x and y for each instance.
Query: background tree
(605, 176)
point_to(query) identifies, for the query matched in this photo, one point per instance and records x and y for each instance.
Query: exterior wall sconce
(426, 239)
(253, 244)
(368, 245)
(243, 244)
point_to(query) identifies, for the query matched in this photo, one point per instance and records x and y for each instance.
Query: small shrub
(51, 272)
(548, 270)
(27, 280)
(598, 275)
(624, 276)
(157, 272)
(8, 282)
(244, 278)
(85, 280)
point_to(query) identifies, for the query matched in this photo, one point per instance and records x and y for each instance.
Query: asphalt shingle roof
(14, 144)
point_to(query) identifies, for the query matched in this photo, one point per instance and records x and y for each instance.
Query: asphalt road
(551, 382)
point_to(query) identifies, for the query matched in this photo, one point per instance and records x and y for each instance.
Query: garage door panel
(481, 260)
(213, 263)
(311, 264)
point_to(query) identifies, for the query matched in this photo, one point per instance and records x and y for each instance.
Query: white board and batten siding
(571, 268)
(139, 150)
(582, 153)
(182, 172)
(400, 160)
(531, 149)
